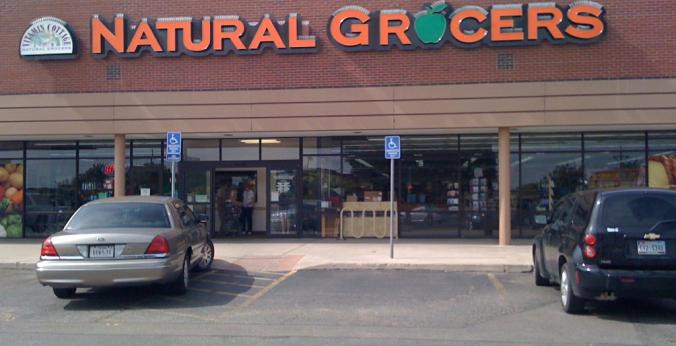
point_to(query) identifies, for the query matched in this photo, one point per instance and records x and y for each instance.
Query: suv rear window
(120, 215)
(638, 211)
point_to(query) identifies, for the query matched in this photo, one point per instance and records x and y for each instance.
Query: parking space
(330, 307)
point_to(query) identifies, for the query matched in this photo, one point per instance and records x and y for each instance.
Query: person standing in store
(248, 202)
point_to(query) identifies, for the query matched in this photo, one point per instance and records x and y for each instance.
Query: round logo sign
(48, 38)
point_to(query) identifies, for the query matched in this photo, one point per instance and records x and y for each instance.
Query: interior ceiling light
(263, 141)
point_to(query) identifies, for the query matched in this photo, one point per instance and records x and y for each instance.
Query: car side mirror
(202, 218)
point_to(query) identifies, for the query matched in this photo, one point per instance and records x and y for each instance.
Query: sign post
(173, 155)
(392, 152)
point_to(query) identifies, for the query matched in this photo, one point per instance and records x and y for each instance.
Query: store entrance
(246, 199)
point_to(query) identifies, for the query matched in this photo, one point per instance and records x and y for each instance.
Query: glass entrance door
(283, 190)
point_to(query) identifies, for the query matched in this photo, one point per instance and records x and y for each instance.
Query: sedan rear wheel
(207, 257)
(180, 285)
(64, 293)
(571, 303)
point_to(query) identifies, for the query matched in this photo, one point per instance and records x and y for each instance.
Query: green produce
(14, 231)
(13, 219)
(4, 204)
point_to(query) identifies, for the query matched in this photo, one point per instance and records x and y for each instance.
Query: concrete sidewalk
(283, 255)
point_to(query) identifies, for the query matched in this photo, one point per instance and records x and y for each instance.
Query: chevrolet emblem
(652, 236)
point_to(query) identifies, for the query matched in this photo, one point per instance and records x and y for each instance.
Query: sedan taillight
(590, 246)
(159, 246)
(48, 249)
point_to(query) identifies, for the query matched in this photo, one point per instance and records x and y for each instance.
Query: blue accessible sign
(392, 148)
(174, 141)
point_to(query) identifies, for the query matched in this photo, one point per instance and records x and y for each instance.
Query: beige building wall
(624, 103)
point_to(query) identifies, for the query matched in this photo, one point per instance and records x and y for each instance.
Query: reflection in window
(662, 160)
(145, 174)
(614, 169)
(322, 195)
(96, 179)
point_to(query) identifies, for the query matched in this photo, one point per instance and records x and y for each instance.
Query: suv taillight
(590, 246)
(48, 249)
(159, 246)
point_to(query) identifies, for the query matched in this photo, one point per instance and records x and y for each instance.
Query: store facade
(498, 120)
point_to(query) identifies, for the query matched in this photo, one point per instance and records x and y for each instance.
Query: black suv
(609, 244)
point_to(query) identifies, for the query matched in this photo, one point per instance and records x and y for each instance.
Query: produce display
(11, 200)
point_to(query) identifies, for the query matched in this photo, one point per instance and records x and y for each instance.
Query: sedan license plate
(102, 251)
(652, 248)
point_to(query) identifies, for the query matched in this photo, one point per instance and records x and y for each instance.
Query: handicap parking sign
(392, 148)
(173, 150)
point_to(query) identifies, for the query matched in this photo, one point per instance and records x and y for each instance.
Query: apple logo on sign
(431, 24)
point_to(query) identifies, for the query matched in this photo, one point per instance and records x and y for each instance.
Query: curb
(461, 268)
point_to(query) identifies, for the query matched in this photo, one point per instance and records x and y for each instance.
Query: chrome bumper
(86, 273)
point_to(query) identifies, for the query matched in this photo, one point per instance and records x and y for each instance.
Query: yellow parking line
(228, 283)
(267, 289)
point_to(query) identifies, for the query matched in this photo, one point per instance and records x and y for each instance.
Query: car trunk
(639, 248)
(115, 243)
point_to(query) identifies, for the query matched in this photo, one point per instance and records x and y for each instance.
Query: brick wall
(639, 44)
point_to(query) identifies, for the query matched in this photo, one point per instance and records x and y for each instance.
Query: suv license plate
(653, 248)
(105, 251)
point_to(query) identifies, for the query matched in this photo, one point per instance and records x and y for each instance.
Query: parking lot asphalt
(326, 307)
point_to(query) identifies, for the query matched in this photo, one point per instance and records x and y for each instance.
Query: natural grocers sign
(352, 28)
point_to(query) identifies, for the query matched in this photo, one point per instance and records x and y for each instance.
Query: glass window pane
(546, 178)
(321, 146)
(322, 196)
(430, 187)
(50, 185)
(356, 146)
(614, 169)
(42, 224)
(281, 149)
(145, 174)
(48, 150)
(198, 185)
(148, 148)
(201, 150)
(614, 141)
(240, 149)
(11, 150)
(96, 179)
(479, 185)
(103, 149)
(11, 198)
(662, 161)
(551, 142)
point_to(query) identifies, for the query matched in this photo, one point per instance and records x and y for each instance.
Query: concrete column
(120, 151)
(505, 186)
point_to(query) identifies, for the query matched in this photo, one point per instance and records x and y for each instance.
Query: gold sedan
(126, 242)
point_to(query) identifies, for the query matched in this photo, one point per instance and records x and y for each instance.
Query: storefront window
(662, 160)
(366, 173)
(148, 148)
(322, 196)
(201, 150)
(550, 168)
(321, 146)
(97, 150)
(614, 160)
(280, 148)
(144, 174)
(240, 149)
(96, 178)
(430, 200)
(50, 150)
(11, 197)
(479, 185)
(50, 195)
